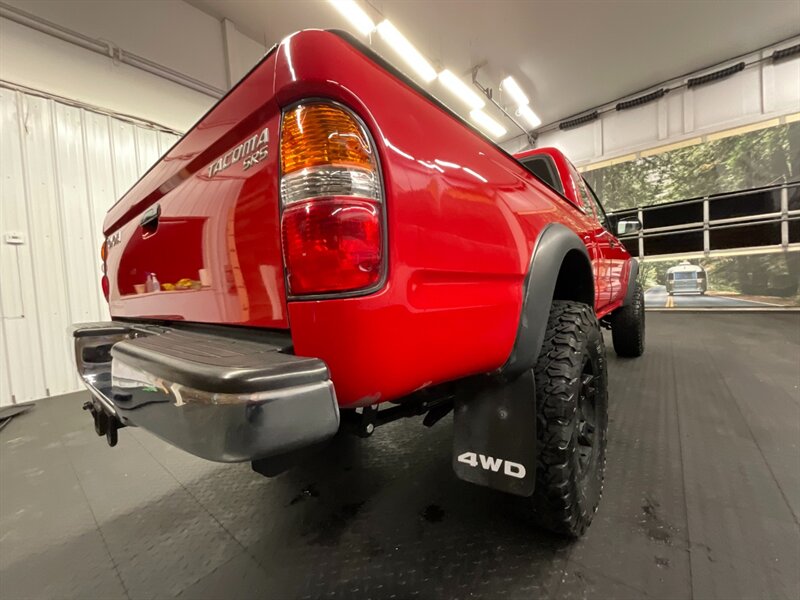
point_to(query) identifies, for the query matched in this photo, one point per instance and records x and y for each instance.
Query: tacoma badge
(253, 150)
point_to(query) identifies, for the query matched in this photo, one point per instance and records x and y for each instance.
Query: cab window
(543, 168)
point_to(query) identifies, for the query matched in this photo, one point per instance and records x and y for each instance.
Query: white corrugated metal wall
(61, 168)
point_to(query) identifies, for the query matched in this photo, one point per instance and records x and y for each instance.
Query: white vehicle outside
(686, 278)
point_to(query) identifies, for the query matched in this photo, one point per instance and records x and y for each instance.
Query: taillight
(332, 200)
(104, 280)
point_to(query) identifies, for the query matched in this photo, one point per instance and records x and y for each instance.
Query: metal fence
(754, 221)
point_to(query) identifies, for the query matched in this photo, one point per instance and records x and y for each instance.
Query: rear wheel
(627, 326)
(572, 420)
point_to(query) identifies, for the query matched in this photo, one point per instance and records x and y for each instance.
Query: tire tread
(558, 502)
(627, 327)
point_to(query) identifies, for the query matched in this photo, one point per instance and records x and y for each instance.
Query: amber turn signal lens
(317, 134)
(332, 200)
(104, 282)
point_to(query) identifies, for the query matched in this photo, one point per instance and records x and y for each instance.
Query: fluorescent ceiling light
(461, 89)
(512, 87)
(406, 50)
(530, 117)
(488, 123)
(353, 13)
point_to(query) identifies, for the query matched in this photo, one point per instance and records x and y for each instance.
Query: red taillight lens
(332, 200)
(104, 281)
(332, 245)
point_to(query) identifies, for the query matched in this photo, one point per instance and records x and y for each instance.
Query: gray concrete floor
(701, 500)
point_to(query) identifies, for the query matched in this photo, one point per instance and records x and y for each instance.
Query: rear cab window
(543, 167)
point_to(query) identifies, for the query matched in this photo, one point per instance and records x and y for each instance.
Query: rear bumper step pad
(217, 396)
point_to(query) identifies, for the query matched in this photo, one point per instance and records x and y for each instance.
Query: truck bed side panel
(463, 218)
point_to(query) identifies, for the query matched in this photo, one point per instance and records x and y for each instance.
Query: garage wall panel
(148, 29)
(782, 86)
(100, 172)
(42, 62)
(45, 238)
(764, 90)
(166, 141)
(5, 383)
(76, 216)
(726, 101)
(674, 104)
(147, 148)
(17, 294)
(578, 143)
(125, 156)
(62, 168)
(630, 128)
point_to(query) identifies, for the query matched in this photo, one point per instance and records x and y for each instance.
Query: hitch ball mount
(104, 424)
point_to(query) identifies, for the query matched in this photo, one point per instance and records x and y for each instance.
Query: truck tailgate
(197, 238)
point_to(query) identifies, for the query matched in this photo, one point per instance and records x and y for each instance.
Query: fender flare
(633, 275)
(551, 248)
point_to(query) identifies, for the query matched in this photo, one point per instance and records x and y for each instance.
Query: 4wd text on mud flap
(489, 463)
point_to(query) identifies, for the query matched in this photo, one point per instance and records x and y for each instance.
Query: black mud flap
(495, 435)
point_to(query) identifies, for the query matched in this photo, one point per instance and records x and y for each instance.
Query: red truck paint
(463, 218)
(609, 257)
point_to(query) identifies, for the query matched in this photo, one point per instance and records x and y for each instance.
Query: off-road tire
(627, 326)
(568, 488)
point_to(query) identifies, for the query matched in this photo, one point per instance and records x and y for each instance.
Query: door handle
(612, 242)
(149, 221)
(150, 216)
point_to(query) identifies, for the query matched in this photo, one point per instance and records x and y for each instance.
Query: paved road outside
(657, 297)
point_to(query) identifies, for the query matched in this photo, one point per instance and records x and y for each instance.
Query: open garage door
(720, 218)
(739, 250)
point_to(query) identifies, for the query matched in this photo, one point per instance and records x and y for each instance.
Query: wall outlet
(15, 238)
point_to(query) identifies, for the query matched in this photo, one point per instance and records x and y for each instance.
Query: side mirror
(628, 226)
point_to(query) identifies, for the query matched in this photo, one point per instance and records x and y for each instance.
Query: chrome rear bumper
(223, 395)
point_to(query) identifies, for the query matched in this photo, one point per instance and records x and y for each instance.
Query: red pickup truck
(330, 238)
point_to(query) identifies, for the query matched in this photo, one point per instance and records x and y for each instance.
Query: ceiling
(568, 55)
